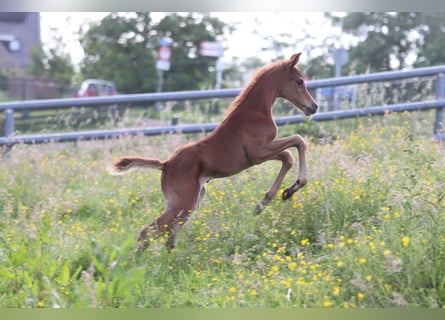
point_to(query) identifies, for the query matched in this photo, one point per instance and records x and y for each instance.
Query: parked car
(95, 88)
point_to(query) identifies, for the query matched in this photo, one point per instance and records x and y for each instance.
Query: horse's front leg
(276, 150)
(302, 171)
(287, 161)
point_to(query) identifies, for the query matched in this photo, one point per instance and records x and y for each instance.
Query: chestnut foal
(244, 138)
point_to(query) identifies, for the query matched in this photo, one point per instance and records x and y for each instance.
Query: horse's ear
(294, 59)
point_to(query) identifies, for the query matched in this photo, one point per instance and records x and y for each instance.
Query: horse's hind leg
(156, 229)
(178, 209)
(167, 224)
(287, 161)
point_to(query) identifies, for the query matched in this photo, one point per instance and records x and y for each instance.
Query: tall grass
(367, 231)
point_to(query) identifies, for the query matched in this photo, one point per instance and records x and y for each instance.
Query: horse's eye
(299, 82)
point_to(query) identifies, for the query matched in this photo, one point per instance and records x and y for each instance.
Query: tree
(52, 61)
(318, 68)
(117, 49)
(384, 42)
(38, 58)
(123, 48)
(190, 70)
(299, 36)
(432, 40)
(388, 41)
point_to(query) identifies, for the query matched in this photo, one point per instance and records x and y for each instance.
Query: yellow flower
(305, 242)
(292, 266)
(286, 283)
(327, 303)
(336, 291)
(360, 295)
(405, 241)
(340, 264)
(281, 249)
(232, 289)
(362, 260)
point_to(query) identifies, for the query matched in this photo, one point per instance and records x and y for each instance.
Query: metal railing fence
(10, 107)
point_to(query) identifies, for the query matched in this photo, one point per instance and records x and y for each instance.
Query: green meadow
(367, 231)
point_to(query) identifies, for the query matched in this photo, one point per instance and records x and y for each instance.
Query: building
(19, 32)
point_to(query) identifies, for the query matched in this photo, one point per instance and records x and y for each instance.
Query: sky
(245, 42)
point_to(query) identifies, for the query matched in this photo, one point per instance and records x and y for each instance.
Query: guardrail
(10, 107)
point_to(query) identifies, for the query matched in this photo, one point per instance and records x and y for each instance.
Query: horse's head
(294, 89)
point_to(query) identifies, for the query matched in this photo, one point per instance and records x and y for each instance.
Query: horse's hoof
(142, 245)
(258, 208)
(287, 194)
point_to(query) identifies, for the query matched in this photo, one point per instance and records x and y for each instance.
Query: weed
(367, 231)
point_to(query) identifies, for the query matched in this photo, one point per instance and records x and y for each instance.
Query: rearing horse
(244, 138)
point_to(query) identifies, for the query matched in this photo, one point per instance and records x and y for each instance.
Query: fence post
(440, 95)
(9, 122)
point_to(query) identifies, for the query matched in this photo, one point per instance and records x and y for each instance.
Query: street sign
(340, 56)
(163, 65)
(165, 41)
(164, 53)
(210, 49)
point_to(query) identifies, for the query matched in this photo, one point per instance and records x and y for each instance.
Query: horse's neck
(258, 96)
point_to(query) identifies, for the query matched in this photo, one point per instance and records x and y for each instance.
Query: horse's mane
(260, 73)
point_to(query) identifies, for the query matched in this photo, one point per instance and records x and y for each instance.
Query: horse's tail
(123, 165)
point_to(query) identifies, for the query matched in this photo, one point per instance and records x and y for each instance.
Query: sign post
(163, 63)
(219, 66)
(341, 57)
(213, 49)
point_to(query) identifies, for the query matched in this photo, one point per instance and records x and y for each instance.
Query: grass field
(367, 231)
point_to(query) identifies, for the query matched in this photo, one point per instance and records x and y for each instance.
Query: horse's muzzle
(311, 110)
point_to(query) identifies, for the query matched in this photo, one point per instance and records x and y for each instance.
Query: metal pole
(218, 80)
(440, 95)
(219, 66)
(159, 87)
(336, 104)
(9, 123)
